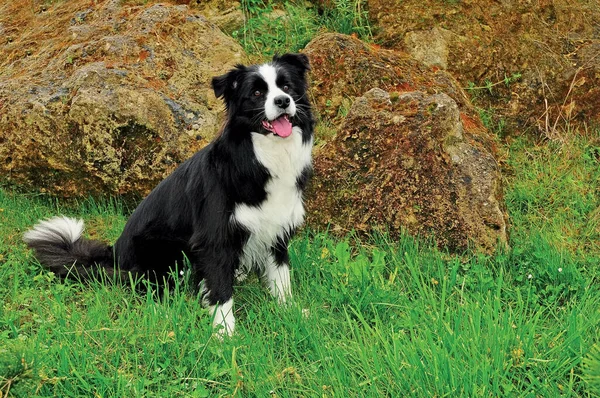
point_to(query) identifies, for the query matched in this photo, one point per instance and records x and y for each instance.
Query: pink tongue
(282, 126)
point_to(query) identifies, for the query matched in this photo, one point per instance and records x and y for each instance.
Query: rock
(344, 67)
(226, 14)
(546, 43)
(410, 151)
(112, 100)
(405, 161)
(429, 46)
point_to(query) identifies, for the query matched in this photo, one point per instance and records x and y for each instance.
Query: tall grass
(554, 202)
(385, 318)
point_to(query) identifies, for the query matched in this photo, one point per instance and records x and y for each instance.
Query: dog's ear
(219, 83)
(228, 83)
(297, 61)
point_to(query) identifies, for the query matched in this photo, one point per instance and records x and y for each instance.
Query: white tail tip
(56, 229)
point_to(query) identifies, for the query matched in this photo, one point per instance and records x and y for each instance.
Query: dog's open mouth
(280, 126)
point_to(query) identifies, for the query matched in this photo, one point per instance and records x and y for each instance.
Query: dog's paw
(221, 332)
(240, 275)
(223, 319)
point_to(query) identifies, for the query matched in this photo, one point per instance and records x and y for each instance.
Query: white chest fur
(283, 209)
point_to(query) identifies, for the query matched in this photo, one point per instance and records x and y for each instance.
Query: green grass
(556, 189)
(385, 318)
(273, 27)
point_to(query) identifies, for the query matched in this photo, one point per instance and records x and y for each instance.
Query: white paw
(278, 280)
(223, 319)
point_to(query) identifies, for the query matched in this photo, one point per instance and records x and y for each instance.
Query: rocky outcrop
(410, 152)
(125, 97)
(112, 100)
(551, 45)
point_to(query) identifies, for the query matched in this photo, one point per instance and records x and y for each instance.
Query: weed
(492, 122)
(268, 32)
(488, 85)
(591, 369)
(348, 17)
(488, 116)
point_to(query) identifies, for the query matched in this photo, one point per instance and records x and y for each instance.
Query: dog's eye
(258, 93)
(286, 88)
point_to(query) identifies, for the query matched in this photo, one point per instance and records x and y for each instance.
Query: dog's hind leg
(217, 293)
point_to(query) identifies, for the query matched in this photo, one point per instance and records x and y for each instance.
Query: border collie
(230, 209)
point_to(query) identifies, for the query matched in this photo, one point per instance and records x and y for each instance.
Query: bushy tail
(58, 245)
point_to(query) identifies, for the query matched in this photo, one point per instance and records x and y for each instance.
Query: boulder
(403, 161)
(110, 101)
(410, 152)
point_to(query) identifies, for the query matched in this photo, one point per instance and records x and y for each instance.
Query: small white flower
(530, 276)
(560, 270)
(181, 272)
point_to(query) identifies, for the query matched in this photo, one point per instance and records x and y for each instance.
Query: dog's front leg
(278, 280)
(277, 272)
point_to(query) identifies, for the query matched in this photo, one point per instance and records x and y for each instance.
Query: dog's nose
(282, 101)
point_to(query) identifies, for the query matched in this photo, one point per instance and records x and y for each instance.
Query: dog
(230, 209)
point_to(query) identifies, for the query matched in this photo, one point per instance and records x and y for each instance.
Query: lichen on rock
(121, 100)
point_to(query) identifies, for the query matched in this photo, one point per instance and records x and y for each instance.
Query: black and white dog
(230, 209)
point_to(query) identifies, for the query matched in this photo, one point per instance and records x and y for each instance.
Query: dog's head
(268, 98)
